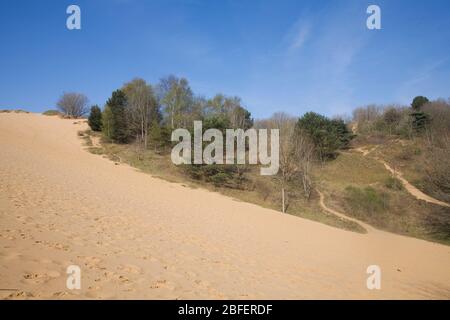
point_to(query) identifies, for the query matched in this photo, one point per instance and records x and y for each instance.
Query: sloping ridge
(135, 236)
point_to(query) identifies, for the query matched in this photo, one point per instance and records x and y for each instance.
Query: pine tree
(418, 102)
(95, 118)
(119, 131)
(420, 119)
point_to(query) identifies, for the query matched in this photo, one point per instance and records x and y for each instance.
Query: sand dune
(135, 236)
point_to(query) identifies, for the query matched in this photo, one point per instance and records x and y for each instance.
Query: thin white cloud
(298, 35)
(418, 82)
(302, 35)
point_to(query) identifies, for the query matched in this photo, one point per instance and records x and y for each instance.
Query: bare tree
(288, 166)
(72, 104)
(303, 150)
(296, 154)
(141, 108)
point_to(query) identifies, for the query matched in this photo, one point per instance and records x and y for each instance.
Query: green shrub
(52, 113)
(393, 184)
(193, 171)
(219, 179)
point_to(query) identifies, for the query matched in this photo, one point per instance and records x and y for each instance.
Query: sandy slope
(135, 236)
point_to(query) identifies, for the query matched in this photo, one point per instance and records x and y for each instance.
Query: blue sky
(294, 56)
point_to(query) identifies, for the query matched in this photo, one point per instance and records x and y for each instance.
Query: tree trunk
(283, 200)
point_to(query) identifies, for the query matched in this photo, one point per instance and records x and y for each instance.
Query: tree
(392, 117)
(119, 126)
(303, 151)
(142, 108)
(240, 118)
(159, 135)
(343, 134)
(288, 166)
(177, 98)
(230, 108)
(95, 118)
(326, 135)
(73, 105)
(419, 102)
(107, 122)
(420, 119)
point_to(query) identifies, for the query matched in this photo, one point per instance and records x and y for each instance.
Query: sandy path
(368, 228)
(411, 189)
(135, 236)
(415, 192)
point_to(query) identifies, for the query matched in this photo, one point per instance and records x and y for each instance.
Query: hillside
(138, 236)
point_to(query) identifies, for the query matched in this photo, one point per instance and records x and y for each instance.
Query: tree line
(145, 115)
(424, 121)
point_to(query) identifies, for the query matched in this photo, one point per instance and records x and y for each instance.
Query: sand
(135, 236)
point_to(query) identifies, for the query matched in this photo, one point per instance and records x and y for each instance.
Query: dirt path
(366, 226)
(135, 236)
(412, 189)
(415, 192)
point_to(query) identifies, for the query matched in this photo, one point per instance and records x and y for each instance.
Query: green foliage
(52, 113)
(393, 184)
(159, 135)
(230, 176)
(343, 135)
(420, 121)
(177, 100)
(118, 130)
(418, 102)
(107, 122)
(327, 135)
(219, 179)
(219, 122)
(95, 118)
(367, 200)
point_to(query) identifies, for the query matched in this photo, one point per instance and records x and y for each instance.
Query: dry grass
(13, 111)
(360, 186)
(52, 113)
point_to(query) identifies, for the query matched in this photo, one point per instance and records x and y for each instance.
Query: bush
(219, 179)
(52, 113)
(220, 175)
(193, 171)
(393, 184)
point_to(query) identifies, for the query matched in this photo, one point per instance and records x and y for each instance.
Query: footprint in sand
(20, 295)
(129, 268)
(34, 278)
(163, 284)
(91, 262)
